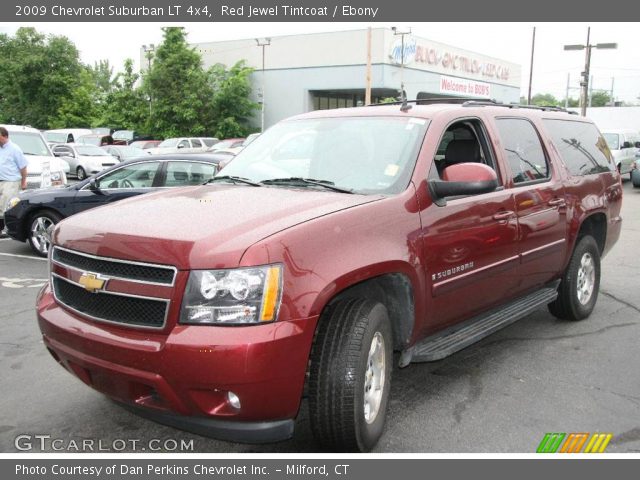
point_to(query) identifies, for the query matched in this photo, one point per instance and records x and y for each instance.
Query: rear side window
(581, 146)
(523, 149)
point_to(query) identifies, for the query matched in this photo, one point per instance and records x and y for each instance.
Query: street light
(262, 42)
(587, 63)
(402, 32)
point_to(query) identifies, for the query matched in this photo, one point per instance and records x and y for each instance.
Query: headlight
(13, 202)
(56, 176)
(232, 297)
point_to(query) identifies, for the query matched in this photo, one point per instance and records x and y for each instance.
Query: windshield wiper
(233, 179)
(299, 181)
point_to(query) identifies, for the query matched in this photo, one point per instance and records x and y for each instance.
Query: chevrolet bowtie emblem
(92, 282)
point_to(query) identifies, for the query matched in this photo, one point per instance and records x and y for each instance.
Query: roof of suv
(425, 109)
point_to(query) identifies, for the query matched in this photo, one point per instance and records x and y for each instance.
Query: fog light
(234, 401)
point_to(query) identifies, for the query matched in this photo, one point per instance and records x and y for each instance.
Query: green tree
(600, 99)
(544, 100)
(39, 74)
(231, 105)
(126, 106)
(80, 107)
(179, 89)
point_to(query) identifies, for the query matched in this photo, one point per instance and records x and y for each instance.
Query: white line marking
(23, 256)
(5, 239)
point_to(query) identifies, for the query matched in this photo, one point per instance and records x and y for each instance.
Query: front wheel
(81, 174)
(350, 375)
(40, 226)
(578, 291)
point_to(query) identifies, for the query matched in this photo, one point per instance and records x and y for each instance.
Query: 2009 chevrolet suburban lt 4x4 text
(334, 239)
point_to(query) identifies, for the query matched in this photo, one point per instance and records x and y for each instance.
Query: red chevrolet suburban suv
(334, 239)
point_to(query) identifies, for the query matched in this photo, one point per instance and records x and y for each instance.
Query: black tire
(39, 222)
(338, 372)
(573, 303)
(635, 180)
(80, 173)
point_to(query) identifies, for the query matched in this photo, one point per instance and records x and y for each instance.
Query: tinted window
(139, 175)
(188, 173)
(524, 152)
(196, 143)
(580, 145)
(66, 151)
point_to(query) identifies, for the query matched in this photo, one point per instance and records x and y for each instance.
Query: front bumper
(182, 379)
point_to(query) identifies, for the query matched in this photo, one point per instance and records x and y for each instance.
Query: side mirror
(626, 145)
(59, 154)
(180, 145)
(94, 184)
(463, 179)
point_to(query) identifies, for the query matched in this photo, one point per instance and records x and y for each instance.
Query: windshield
(90, 151)
(30, 143)
(613, 140)
(365, 155)
(169, 142)
(123, 135)
(55, 137)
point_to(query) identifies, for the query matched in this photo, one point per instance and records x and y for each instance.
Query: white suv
(625, 147)
(43, 169)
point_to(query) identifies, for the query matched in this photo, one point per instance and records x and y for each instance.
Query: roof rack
(467, 102)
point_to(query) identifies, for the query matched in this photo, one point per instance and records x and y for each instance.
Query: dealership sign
(409, 48)
(464, 87)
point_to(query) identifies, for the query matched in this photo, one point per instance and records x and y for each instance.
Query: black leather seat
(461, 151)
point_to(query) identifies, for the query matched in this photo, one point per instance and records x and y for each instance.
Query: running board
(454, 339)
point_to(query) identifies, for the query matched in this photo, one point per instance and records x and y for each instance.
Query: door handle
(557, 202)
(504, 215)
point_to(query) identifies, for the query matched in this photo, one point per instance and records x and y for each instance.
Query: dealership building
(329, 70)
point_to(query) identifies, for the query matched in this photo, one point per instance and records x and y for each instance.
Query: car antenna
(405, 107)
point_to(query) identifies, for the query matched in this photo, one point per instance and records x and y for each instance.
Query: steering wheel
(126, 184)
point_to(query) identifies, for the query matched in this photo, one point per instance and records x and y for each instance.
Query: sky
(506, 41)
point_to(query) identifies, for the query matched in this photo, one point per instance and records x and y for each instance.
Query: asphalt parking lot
(501, 395)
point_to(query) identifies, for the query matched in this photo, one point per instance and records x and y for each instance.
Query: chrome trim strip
(548, 245)
(475, 271)
(126, 262)
(97, 319)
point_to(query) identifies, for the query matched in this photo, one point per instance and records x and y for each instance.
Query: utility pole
(590, 90)
(613, 102)
(402, 32)
(533, 46)
(367, 95)
(262, 42)
(584, 83)
(148, 51)
(566, 95)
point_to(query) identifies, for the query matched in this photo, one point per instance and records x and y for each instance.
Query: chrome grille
(105, 306)
(135, 271)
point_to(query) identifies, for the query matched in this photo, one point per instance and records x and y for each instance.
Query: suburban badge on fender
(92, 282)
(452, 271)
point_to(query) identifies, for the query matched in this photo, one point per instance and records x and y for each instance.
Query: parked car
(183, 145)
(65, 135)
(32, 214)
(625, 147)
(328, 243)
(635, 174)
(103, 130)
(145, 144)
(84, 160)
(44, 169)
(226, 144)
(237, 148)
(98, 140)
(126, 137)
(125, 152)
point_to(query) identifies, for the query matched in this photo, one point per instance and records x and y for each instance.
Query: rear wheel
(578, 290)
(80, 173)
(40, 226)
(350, 375)
(635, 178)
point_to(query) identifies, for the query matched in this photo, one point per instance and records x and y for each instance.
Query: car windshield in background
(91, 151)
(55, 137)
(123, 135)
(30, 143)
(131, 152)
(613, 140)
(363, 155)
(169, 143)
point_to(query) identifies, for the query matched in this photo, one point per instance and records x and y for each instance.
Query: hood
(199, 227)
(35, 162)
